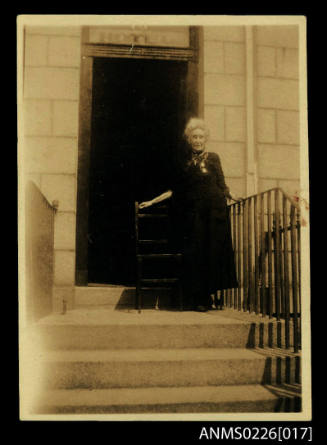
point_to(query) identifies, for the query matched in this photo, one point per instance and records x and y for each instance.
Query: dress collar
(198, 157)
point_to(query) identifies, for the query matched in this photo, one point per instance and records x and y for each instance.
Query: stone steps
(165, 368)
(205, 399)
(95, 359)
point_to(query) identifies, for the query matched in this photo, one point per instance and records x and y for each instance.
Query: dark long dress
(202, 229)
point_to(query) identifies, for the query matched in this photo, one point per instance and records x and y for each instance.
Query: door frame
(194, 84)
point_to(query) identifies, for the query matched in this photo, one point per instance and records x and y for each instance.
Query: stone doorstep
(107, 315)
(123, 298)
(110, 315)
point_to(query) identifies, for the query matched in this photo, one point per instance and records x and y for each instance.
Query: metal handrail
(290, 199)
(266, 237)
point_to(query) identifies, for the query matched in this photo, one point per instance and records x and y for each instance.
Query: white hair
(193, 124)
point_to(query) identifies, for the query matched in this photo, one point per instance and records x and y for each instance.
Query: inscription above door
(166, 36)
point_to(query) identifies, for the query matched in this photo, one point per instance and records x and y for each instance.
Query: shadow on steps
(289, 397)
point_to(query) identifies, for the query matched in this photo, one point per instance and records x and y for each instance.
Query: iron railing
(266, 238)
(39, 259)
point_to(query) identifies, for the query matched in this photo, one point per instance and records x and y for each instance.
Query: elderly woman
(201, 220)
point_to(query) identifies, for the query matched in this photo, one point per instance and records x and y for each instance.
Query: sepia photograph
(163, 217)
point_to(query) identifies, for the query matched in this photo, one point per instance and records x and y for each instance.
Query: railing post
(263, 296)
(294, 280)
(245, 256)
(233, 233)
(239, 256)
(270, 299)
(235, 290)
(298, 226)
(228, 291)
(286, 275)
(250, 271)
(256, 257)
(138, 267)
(277, 255)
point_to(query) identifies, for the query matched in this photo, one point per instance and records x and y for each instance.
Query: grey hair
(193, 124)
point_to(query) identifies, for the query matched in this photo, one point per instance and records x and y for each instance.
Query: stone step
(213, 399)
(102, 327)
(165, 368)
(136, 336)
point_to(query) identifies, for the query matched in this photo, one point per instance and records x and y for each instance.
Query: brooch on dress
(203, 167)
(200, 160)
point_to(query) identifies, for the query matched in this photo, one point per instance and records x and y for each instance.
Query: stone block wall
(277, 107)
(276, 104)
(51, 99)
(224, 100)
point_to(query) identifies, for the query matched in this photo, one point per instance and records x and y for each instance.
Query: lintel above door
(162, 42)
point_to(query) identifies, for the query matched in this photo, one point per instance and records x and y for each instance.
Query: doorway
(138, 117)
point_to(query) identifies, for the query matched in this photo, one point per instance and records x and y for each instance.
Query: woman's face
(197, 139)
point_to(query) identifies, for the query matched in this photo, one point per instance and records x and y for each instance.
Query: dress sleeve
(220, 175)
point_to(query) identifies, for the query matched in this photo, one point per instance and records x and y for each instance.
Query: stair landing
(108, 315)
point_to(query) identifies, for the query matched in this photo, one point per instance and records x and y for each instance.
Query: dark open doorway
(138, 116)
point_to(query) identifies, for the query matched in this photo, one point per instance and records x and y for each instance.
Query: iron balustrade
(266, 234)
(39, 258)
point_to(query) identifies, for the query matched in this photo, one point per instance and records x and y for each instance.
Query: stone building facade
(249, 96)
